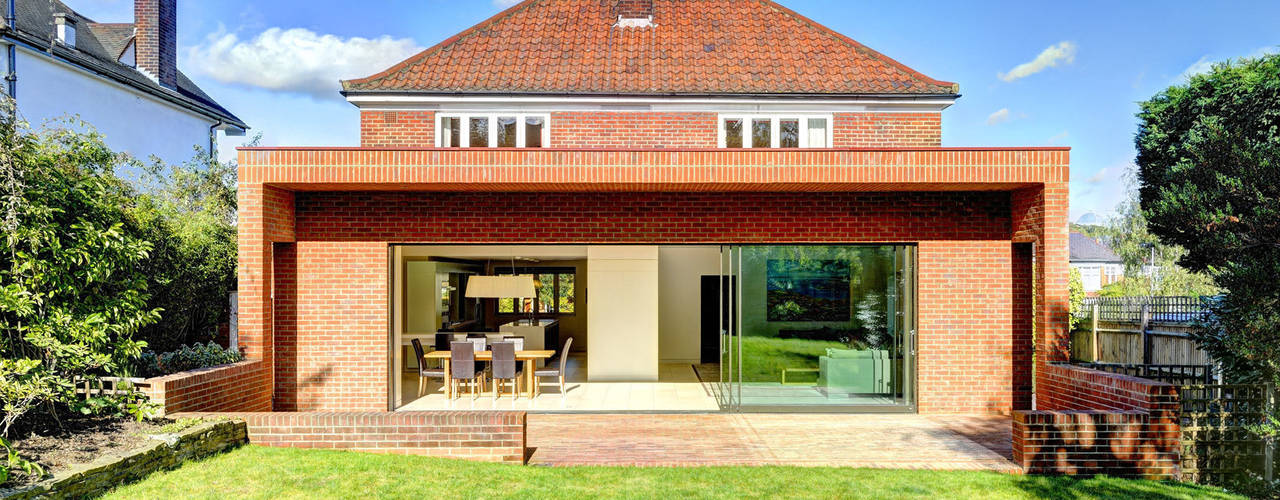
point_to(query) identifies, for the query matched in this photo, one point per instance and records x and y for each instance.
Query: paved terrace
(838, 440)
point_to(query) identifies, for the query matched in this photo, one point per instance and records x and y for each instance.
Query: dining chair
(462, 367)
(518, 341)
(555, 368)
(503, 368)
(424, 373)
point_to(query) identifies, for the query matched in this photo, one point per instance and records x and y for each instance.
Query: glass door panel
(818, 326)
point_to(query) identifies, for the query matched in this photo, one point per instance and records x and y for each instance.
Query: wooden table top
(488, 355)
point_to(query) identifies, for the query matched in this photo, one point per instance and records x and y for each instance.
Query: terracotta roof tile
(693, 47)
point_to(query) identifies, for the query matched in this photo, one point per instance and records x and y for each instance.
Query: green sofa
(855, 371)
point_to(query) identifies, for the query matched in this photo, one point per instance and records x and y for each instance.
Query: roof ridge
(458, 37)
(860, 46)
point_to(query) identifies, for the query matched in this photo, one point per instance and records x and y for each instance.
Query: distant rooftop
(1087, 249)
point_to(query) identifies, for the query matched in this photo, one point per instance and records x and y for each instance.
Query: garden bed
(82, 440)
(88, 456)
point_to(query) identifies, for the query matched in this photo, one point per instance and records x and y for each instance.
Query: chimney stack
(635, 13)
(156, 39)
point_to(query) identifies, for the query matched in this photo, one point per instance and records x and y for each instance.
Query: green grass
(763, 358)
(258, 472)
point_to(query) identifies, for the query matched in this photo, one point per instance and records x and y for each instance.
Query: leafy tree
(1209, 172)
(71, 292)
(1075, 291)
(188, 212)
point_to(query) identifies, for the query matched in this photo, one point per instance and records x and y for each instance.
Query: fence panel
(1217, 445)
(1129, 309)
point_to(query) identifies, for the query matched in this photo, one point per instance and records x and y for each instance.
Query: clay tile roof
(691, 47)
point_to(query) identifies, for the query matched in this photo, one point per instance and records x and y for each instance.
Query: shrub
(189, 357)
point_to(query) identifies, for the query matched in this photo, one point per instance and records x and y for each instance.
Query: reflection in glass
(788, 133)
(506, 131)
(733, 133)
(761, 133)
(822, 325)
(450, 132)
(533, 132)
(479, 133)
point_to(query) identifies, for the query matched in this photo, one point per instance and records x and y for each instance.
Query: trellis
(1217, 443)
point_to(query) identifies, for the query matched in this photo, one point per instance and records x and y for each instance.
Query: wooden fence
(1131, 309)
(1158, 333)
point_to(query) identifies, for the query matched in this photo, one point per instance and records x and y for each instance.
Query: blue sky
(275, 63)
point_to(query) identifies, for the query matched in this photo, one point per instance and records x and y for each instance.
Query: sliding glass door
(809, 327)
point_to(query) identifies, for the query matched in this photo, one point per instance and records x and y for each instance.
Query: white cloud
(1205, 63)
(999, 117)
(1062, 53)
(1098, 177)
(1057, 138)
(502, 4)
(296, 60)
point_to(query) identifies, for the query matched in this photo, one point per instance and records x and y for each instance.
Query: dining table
(530, 359)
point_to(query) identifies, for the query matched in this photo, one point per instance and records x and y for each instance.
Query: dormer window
(492, 130)
(775, 131)
(65, 28)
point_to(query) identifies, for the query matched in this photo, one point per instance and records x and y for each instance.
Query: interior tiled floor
(845, 440)
(677, 390)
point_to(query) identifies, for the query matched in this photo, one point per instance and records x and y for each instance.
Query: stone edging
(165, 452)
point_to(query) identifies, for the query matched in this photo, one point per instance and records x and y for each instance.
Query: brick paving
(879, 441)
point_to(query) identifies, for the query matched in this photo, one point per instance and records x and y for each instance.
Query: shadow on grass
(1062, 487)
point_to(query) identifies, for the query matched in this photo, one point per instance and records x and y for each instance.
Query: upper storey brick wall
(645, 130)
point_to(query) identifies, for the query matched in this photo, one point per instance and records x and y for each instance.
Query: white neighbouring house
(122, 78)
(1097, 263)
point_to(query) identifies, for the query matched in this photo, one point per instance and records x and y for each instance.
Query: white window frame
(464, 136)
(774, 130)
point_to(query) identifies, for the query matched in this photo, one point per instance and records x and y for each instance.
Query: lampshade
(500, 287)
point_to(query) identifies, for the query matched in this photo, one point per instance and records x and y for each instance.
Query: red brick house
(725, 186)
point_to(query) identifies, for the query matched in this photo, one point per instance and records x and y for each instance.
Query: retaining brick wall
(234, 387)
(1093, 422)
(489, 436)
(640, 129)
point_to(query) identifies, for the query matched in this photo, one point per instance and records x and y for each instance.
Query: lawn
(763, 358)
(258, 472)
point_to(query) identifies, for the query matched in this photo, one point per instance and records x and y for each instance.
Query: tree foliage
(1209, 172)
(188, 213)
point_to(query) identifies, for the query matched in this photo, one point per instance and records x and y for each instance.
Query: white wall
(622, 323)
(680, 272)
(129, 120)
(1095, 275)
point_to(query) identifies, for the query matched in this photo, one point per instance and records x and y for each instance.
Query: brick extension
(487, 436)
(1092, 422)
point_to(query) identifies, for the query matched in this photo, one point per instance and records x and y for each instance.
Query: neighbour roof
(99, 46)
(1087, 249)
(691, 47)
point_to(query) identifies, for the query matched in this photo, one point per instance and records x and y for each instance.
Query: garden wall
(214, 389)
(1092, 422)
(486, 436)
(96, 478)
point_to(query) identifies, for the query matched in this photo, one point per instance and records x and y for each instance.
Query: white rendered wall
(129, 120)
(680, 272)
(622, 323)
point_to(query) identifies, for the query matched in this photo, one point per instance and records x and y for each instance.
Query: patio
(842, 440)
